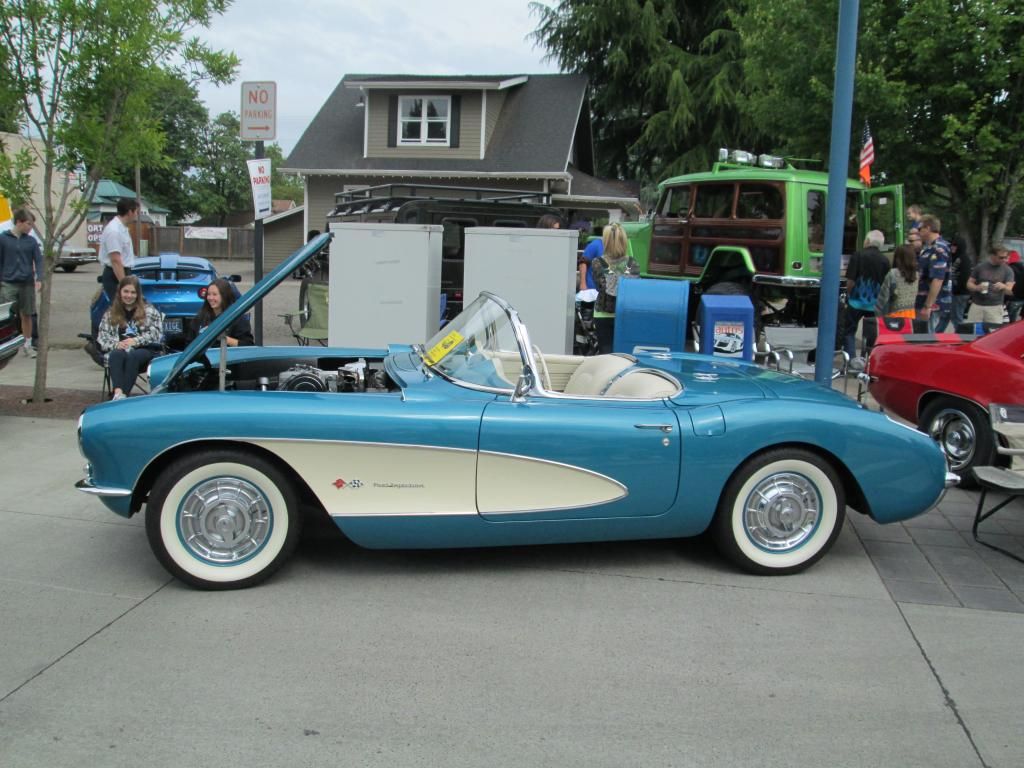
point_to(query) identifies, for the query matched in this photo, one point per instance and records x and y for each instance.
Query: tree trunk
(39, 384)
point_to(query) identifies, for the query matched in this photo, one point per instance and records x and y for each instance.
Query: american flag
(867, 155)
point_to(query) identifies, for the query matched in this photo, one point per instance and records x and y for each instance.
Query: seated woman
(131, 334)
(220, 296)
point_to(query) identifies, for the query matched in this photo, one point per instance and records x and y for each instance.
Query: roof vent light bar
(740, 157)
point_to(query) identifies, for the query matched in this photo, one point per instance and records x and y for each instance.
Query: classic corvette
(946, 388)
(476, 438)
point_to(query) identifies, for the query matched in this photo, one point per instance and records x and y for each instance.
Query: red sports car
(945, 387)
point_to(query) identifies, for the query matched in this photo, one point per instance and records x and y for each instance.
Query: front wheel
(964, 434)
(69, 267)
(780, 512)
(222, 519)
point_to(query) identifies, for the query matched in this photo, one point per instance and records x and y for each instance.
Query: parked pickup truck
(72, 258)
(756, 225)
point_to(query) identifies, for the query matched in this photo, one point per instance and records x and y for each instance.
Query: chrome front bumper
(85, 485)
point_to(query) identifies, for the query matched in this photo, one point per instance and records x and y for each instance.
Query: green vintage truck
(756, 225)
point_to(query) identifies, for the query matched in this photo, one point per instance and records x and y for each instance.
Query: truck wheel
(69, 267)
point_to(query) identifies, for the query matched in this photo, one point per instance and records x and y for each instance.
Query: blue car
(174, 284)
(475, 438)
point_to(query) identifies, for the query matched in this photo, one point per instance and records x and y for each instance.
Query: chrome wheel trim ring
(954, 433)
(782, 511)
(224, 520)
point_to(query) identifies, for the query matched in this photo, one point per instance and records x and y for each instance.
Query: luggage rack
(439, 192)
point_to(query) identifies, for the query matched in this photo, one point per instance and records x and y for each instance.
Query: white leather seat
(641, 384)
(594, 373)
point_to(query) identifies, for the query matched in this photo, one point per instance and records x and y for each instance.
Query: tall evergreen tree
(666, 79)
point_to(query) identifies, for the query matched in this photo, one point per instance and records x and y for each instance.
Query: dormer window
(424, 120)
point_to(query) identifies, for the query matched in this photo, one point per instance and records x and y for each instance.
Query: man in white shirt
(117, 255)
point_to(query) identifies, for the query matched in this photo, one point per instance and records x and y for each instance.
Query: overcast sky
(307, 46)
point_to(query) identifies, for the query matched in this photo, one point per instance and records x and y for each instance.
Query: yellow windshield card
(439, 351)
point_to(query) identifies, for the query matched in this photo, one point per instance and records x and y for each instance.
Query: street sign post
(259, 111)
(258, 123)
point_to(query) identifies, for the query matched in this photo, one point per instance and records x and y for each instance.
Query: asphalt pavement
(900, 648)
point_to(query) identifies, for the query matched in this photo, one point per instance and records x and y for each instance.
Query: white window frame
(424, 121)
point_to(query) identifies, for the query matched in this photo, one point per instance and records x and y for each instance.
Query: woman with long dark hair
(219, 296)
(898, 293)
(131, 333)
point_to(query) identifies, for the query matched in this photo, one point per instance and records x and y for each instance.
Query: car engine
(352, 377)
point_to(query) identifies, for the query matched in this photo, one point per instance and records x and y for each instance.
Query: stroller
(584, 330)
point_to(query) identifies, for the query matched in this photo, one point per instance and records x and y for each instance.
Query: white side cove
(354, 479)
(507, 483)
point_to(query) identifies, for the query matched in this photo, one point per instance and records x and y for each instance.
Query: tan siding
(320, 198)
(281, 239)
(469, 129)
(495, 101)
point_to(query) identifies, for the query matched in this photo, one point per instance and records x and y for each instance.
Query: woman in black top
(219, 296)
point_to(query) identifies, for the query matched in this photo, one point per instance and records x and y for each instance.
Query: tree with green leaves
(87, 73)
(666, 79)
(941, 83)
(183, 119)
(220, 184)
(284, 186)
(219, 181)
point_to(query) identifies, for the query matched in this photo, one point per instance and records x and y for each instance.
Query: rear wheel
(964, 434)
(69, 267)
(780, 512)
(222, 519)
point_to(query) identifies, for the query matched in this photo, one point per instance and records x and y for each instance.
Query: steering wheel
(545, 377)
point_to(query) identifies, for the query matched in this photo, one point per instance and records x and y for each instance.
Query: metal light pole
(838, 160)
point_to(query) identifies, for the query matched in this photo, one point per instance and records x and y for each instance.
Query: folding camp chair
(312, 315)
(1008, 425)
(99, 357)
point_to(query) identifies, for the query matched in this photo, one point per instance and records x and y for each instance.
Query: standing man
(21, 271)
(117, 255)
(935, 289)
(864, 276)
(990, 282)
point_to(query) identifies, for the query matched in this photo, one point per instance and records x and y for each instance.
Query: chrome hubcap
(954, 433)
(224, 520)
(782, 511)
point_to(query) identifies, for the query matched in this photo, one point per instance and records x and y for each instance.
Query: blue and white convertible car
(476, 438)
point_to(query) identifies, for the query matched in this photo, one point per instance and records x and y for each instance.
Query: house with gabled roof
(527, 133)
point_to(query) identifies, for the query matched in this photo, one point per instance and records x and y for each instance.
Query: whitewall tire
(222, 519)
(780, 512)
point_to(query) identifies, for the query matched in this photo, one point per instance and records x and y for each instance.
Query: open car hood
(214, 331)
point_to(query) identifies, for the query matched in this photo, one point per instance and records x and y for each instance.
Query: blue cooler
(651, 313)
(727, 326)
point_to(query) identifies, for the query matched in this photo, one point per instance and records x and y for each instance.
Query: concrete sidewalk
(634, 653)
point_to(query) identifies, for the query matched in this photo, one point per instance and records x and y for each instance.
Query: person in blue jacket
(21, 271)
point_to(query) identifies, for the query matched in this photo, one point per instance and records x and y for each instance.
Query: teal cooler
(651, 313)
(727, 326)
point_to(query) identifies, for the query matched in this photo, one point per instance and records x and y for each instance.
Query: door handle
(666, 428)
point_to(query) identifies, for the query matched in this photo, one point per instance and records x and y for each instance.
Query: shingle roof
(533, 135)
(108, 192)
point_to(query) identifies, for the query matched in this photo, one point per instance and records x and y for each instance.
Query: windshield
(478, 347)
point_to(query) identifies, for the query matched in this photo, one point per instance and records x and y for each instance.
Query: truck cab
(756, 225)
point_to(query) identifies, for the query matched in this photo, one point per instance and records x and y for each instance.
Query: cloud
(308, 51)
